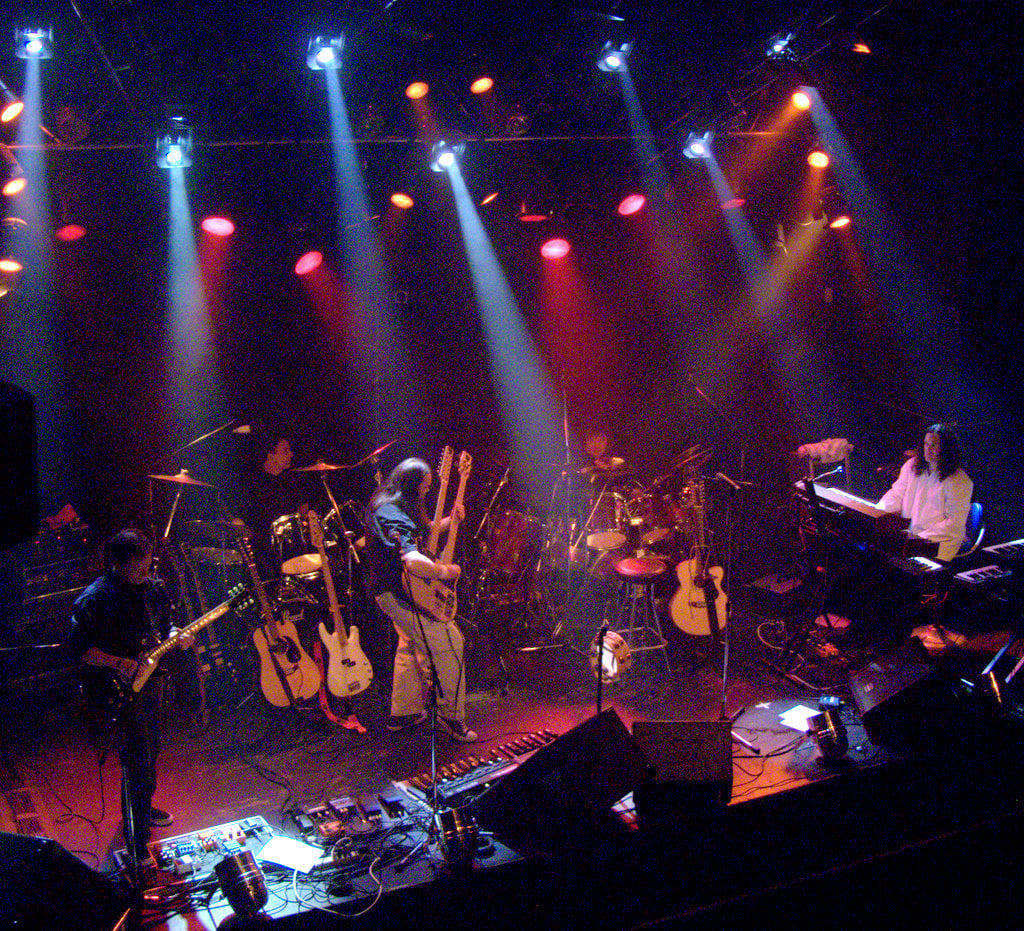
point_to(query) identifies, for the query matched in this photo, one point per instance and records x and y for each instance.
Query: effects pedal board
(357, 818)
(195, 854)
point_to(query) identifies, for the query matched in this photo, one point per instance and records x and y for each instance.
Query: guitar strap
(351, 722)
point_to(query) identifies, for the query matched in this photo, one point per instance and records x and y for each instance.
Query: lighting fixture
(801, 100)
(402, 200)
(417, 89)
(829, 734)
(817, 159)
(555, 248)
(631, 203)
(444, 155)
(308, 262)
(14, 186)
(482, 84)
(174, 145)
(70, 232)
(780, 47)
(10, 266)
(698, 145)
(614, 56)
(324, 53)
(218, 226)
(33, 41)
(11, 105)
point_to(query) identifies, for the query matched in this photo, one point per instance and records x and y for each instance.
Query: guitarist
(396, 520)
(113, 621)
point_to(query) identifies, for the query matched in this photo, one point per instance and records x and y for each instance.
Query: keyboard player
(933, 491)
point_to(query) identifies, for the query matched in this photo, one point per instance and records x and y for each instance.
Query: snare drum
(290, 538)
(514, 539)
(606, 522)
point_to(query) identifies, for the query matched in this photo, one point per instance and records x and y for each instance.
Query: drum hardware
(181, 478)
(217, 556)
(290, 539)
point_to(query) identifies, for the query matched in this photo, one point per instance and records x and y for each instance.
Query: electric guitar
(108, 689)
(348, 670)
(444, 471)
(698, 607)
(432, 596)
(287, 672)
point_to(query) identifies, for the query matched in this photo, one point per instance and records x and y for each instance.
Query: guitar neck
(261, 593)
(444, 470)
(453, 528)
(325, 571)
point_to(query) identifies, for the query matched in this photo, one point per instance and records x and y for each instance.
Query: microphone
(836, 471)
(396, 538)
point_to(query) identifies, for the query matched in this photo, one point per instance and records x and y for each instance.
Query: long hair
(402, 487)
(950, 457)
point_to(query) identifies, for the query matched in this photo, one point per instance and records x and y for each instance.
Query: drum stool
(638, 575)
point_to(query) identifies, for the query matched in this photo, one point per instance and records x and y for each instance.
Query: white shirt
(937, 509)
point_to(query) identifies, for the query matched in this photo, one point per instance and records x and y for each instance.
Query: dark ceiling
(237, 71)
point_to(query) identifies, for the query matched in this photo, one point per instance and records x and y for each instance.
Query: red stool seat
(640, 568)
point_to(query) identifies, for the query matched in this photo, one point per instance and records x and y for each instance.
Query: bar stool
(638, 575)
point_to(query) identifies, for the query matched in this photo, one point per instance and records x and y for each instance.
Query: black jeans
(138, 747)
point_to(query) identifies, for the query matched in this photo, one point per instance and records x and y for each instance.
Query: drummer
(273, 492)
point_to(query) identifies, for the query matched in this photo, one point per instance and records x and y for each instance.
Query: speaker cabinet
(19, 502)
(566, 787)
(901, 698)
(691, 768)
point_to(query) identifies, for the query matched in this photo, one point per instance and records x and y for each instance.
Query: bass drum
(513, 542)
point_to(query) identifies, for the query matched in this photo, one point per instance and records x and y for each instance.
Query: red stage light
(631, 203)
(10, 266)
(482, 84)
(11, 111)
(493, 196)
(402, 200)
(733, 204)
(555, 249)
(70, 232)
(308, 262)
(417, 89)
(801, 101)
(14, 186)
(218, 226)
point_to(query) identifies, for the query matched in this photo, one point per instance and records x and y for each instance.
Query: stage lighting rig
(780, 48)
(10, 104)
(614, 55)
(34, 41)
(698, 145)
(444, 155)
(174, 145)
(324, 53)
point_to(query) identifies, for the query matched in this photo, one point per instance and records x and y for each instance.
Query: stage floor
(257, 761)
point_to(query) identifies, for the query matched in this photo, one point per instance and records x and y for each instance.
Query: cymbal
(600, 466)
(322, 466)
(182, 478)
(374, 454)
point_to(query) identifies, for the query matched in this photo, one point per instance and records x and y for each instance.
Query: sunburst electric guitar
(348, 670)
(287, 672)
(432, 596)
(699, 605)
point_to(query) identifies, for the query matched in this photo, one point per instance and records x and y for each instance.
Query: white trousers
(412, 665)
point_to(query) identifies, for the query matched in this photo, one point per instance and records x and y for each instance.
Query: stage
(802, 836)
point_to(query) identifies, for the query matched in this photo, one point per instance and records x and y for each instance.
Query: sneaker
(160, 818)
(457, 730)
(401, 722)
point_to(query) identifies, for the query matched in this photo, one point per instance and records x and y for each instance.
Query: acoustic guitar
(698, 607)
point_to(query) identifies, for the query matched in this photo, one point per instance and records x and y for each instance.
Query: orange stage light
(818, 159)
(11, 111)
(10, 266)
(482, 84)
(417, 90)
(801, 101)
(490, 198)
(402, 200)
(840, 222)
(14, 186)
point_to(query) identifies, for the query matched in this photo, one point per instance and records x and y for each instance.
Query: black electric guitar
(432, 596)
(287, 672)
(111, 691)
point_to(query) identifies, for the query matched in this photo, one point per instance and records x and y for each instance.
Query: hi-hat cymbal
(600, 466)
(322, 466)
(182, 478)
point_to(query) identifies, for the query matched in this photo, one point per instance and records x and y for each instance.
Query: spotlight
(174, 145)
(631, 203)
(780, 48)
(817, 159)
(801, 101)
(614, 55)
(402, 200)
(15, 186)
(444, 155)
(834, 208)
(698, 146)
(555, 249)
(12, 106)
(829, 734)
(482, 84)
(417, 89)
(70, 232)
(10, 266)
(853, 41)
(33, 41)
(734, 204)
(218, 226)
(324, 53)
(489, 198)
(308, 262)
(839, 222)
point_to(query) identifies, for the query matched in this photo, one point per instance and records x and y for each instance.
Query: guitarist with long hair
(396, 521)
(113, 621)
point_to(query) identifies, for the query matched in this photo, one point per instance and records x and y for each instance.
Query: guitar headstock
(240, 598)
(465, 463)
(444, 464)
(316, 532)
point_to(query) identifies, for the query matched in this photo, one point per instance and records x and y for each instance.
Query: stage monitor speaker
(19, 502)
(691, 765)
(566, 788)
(44, 886)
(901, 698)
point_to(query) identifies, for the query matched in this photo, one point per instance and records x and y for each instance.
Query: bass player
(396, 520)
(120, 614)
